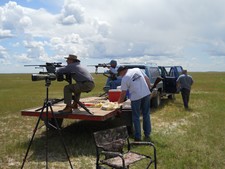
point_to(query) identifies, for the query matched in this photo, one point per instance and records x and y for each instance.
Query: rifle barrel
(36, 65)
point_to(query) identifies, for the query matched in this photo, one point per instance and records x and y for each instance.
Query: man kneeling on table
(138, 85)
(84, 82)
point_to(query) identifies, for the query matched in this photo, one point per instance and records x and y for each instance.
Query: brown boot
(74, 105)
(67, 109)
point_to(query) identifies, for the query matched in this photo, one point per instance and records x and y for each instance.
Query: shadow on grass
(78, 138)
(163, 103)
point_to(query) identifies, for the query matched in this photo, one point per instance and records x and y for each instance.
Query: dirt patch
(177, 126)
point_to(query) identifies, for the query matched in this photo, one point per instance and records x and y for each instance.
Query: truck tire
(156, 101)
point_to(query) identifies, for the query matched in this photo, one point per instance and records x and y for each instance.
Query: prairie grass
(192, 139)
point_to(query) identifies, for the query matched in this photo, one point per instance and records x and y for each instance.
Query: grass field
(193, 139)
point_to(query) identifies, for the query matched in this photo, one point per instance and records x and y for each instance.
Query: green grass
(191, 139)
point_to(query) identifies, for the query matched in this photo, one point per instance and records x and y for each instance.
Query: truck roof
(139, 65)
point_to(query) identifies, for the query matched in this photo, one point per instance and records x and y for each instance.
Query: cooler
(114, 95)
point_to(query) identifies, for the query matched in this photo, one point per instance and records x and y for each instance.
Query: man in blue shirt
(184, 82)
(113, 80)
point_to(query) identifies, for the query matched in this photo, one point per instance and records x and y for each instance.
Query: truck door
(169, 84)
(170, 80)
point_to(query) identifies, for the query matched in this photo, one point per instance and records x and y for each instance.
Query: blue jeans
(138, 106)
(185, 96)
(113, 83)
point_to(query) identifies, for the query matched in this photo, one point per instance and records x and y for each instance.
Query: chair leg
(155, 159)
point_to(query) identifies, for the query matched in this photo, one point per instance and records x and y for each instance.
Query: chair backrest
(111, 139)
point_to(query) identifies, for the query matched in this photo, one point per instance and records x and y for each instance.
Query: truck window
(154, 72)
(172, 74)
(143, 70)
(179, 70)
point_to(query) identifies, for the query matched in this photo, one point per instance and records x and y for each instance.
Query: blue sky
(176, 32)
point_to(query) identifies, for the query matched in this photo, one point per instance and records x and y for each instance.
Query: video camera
(50, 74)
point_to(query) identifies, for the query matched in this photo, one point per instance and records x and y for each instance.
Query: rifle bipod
(82, 105)
(47, 105)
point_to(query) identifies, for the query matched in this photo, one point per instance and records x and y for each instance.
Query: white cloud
(165, 32)
(25, 21)
(5, 34)
(3, 55)
(72, 13)
(24, 58)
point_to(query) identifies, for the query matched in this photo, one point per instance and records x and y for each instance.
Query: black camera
(47, 76)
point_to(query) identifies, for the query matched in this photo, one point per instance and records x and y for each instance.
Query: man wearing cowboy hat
(84, 82)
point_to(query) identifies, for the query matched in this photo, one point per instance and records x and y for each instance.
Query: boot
(74, 105)
(67, 109)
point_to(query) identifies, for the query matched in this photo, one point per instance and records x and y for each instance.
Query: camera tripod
(47, 105)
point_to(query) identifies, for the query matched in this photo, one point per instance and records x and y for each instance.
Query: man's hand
(122, 96)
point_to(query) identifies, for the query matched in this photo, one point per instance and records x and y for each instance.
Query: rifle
(50, 67)
(104, 65)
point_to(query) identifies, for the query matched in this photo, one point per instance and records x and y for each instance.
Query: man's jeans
(185, 96)
(113, 83)
(138, 106)
(76, 89)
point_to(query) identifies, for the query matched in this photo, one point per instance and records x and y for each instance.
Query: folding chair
(110, 149)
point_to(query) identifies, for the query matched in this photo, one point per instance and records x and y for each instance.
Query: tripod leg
(57, 101)
(83, 106)
(60, 135)
(46, 141)
(102, 94)
(32, 138)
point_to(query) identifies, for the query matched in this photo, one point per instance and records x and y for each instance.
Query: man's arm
(113, 70)
(146, 79)
(148, 82)
(178, 83)
(66, 69)
(122, 96)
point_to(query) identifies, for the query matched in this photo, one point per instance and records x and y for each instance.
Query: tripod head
(47, 82)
